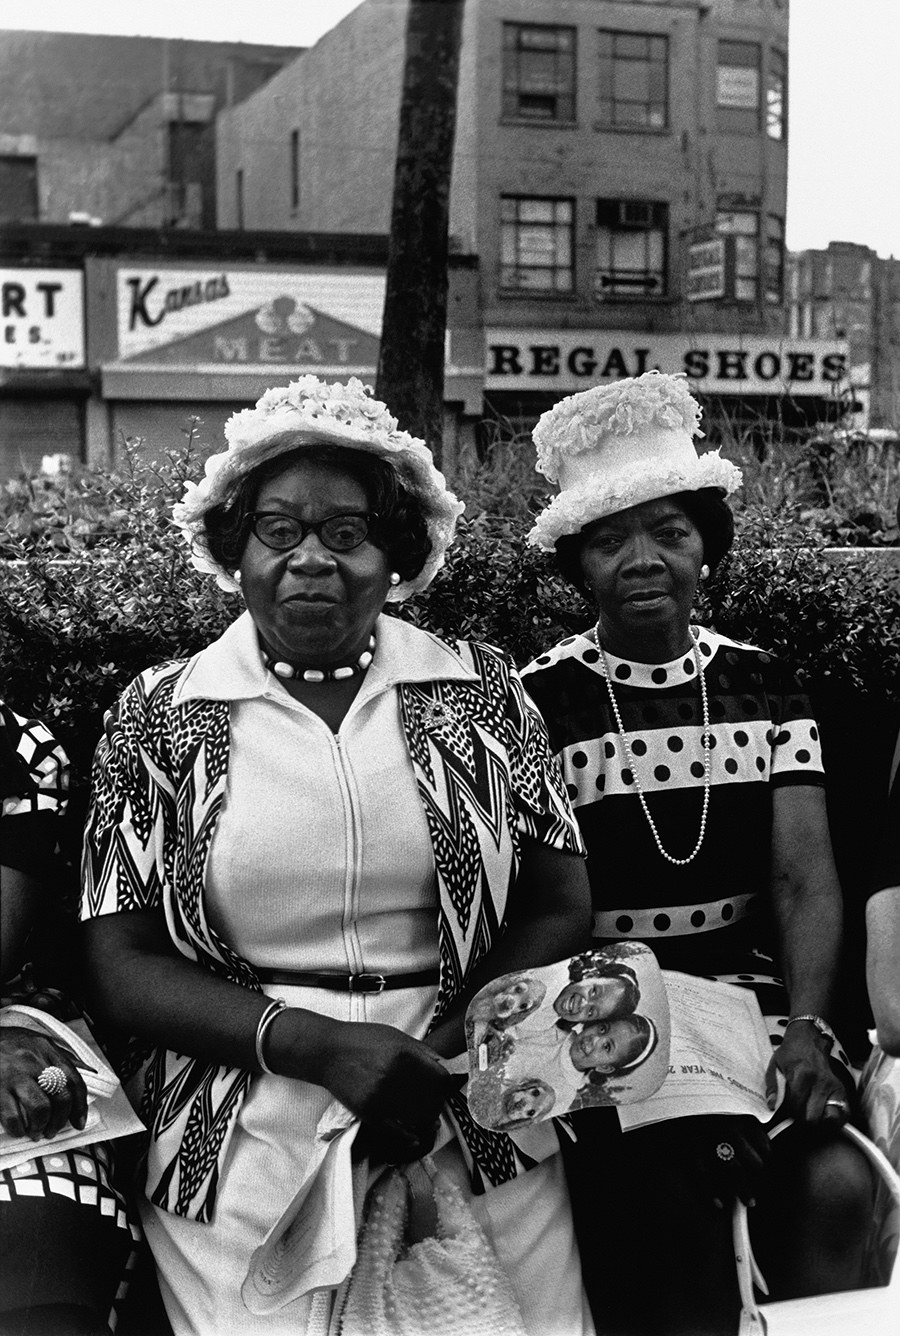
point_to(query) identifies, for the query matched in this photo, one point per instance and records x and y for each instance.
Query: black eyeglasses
(339, 533)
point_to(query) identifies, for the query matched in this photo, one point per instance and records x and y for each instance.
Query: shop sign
(204, 318)
(737, 86)
(707, 269)
(42, 319)
(563, 360)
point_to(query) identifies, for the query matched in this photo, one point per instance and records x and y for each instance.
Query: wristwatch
(821, 1025)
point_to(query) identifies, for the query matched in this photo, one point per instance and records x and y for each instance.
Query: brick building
(848, 292)
(620, 170)
(118, 129)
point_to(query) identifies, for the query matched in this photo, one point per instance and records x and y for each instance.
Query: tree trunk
(411, 360)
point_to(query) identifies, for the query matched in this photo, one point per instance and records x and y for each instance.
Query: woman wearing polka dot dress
(694, 768)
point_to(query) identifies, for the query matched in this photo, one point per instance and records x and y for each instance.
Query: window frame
(776, 96)
(512, 79)
(611, 122)
(772, 259)
(295, 170)
(739, 118)
(556, 226)
(657, 225)
(747, 235)
(26, 166)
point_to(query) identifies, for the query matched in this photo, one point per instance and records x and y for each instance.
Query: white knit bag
(447, 1284)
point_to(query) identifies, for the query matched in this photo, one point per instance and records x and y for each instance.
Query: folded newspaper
(719, 1055)
(312, 1245)
(609, 1027)
(109, 1112)
(586, 1032)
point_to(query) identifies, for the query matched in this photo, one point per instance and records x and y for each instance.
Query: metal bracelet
(275, 1008)
(821, 1025)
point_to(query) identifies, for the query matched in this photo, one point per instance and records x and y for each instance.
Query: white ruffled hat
(338, 414)
(615, 446)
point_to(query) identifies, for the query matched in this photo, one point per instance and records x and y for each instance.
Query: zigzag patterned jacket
(485, 775)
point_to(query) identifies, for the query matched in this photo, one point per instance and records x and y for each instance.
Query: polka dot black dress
(657, 1255)
(709, 915)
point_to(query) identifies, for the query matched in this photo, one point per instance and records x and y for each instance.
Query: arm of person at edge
(549, 919)
(808, 910)
(141, 985)
(26, 1109)
(883, 965)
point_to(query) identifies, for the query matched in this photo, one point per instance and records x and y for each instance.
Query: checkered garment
(485, 777)
(34, 777)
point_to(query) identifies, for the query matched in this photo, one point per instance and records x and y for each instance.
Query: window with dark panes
(632, 245)
(295, 170)
(633, 72)
(776, 96)
(773, 260)
(743, 225)
(538, 72)
(239, 198)
(737, 87)
(537, 244)
(18, 189)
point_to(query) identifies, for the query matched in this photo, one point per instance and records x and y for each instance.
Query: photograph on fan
(588, 1031)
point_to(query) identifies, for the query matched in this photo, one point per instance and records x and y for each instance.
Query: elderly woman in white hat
(694, 767)
(308, 846)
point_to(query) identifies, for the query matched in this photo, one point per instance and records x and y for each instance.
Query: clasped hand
(395, 1084)
(26, 1109)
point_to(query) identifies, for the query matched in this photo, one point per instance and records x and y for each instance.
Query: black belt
(348, 983)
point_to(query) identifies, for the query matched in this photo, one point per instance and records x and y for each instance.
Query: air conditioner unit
(635, 213)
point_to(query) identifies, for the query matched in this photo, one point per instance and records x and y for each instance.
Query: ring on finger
(53, 1080)
(838, 1104)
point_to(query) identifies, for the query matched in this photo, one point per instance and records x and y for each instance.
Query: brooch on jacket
(436, 716)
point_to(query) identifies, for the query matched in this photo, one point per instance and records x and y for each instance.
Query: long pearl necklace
(707, 764)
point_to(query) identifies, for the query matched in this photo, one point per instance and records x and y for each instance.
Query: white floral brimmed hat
(338, 414)
(614, 446)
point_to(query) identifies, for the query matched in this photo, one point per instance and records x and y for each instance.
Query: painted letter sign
(561, 360)
(42, 319)
(206, 319)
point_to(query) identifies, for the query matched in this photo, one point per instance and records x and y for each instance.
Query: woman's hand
(802, 1059)
(396, 1085)
(26, 1109)
(729, 1152)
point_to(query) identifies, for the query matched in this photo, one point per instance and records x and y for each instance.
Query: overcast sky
(844, 112)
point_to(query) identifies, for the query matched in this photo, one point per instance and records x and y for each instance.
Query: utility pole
(411, 360)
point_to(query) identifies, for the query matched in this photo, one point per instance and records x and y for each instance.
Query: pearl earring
(704, 572)
(236, 576)
(395, 578)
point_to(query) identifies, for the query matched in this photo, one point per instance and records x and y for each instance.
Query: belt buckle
(367, 983)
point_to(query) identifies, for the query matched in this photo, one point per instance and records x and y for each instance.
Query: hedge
(96, 587)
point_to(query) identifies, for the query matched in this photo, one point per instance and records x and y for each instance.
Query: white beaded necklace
(679, 862)
(289, 670)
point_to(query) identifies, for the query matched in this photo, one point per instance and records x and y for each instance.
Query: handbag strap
(748, 1273)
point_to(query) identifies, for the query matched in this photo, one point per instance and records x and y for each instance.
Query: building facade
(620, 170)
(848, 292)
(118, 130)
(110, 333)
(618, 202)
